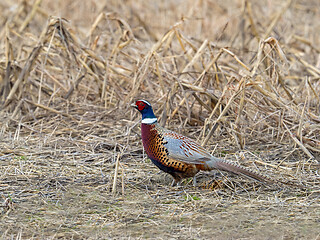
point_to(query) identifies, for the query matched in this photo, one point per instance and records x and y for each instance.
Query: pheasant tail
(231, 167)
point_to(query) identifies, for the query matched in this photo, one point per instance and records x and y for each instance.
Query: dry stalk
(224, 111)
(298, 142)
(115, 177)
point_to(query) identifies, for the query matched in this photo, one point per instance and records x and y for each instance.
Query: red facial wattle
(140, 105)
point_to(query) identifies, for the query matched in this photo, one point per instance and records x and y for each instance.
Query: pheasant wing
(185, 149)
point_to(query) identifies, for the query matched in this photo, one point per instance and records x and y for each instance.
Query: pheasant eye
(141, 106)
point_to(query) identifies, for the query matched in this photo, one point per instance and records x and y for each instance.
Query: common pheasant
(178, 155)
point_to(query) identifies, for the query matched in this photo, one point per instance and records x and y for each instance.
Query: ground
(67, 193)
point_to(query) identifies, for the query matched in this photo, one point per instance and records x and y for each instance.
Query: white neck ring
(149, 120)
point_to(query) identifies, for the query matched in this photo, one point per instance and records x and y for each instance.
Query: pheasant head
(144, 107)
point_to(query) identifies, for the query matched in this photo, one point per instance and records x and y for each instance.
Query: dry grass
(241, 77)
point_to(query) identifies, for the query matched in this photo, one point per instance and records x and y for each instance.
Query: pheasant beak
(134, 105)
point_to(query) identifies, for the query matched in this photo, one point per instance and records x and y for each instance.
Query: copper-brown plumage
(155, 147)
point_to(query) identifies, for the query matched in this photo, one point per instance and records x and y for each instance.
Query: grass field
(240, 77)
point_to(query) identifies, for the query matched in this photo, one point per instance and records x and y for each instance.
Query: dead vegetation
(241, 77)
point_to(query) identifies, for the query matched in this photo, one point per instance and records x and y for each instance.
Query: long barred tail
(236, 169)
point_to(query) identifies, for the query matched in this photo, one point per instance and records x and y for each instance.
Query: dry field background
(240, 77)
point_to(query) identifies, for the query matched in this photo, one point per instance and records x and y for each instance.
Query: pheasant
(180, 156)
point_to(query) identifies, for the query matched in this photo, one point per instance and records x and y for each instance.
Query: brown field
(241, 77)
